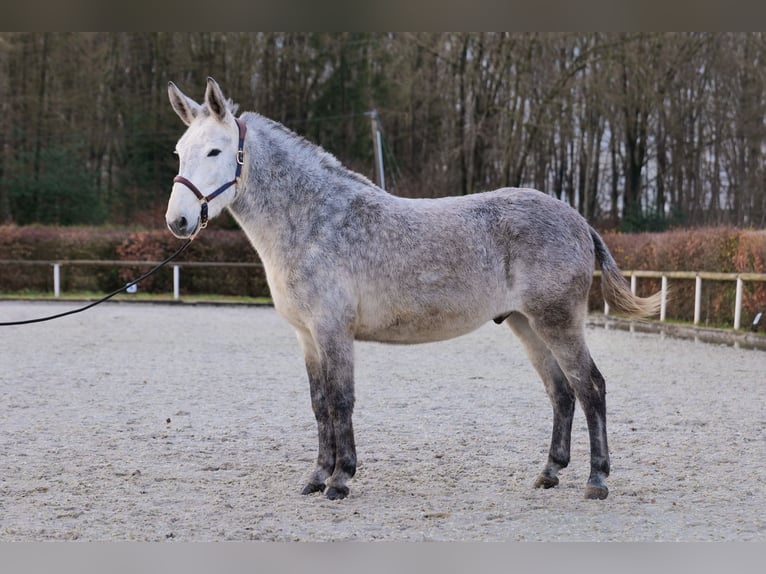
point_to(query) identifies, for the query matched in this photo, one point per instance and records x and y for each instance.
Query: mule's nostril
(179, 227)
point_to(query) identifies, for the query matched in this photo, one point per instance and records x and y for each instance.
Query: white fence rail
(176, 267)
(665, 276)
(698, 277)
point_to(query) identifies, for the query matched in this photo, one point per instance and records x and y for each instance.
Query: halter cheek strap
(204, 199)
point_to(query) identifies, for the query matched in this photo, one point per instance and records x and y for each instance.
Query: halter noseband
(204, 199)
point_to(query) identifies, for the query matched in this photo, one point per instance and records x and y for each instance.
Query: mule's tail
(615, 287)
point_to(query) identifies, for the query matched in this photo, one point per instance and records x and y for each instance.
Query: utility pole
(378, 147)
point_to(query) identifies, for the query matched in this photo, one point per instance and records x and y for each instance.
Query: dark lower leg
(588, 386)
(345, 455)
(563, 402)
(325, 459)
(560, 393)
(594, 406)
(325, 434)
(341, 408)
(338, 379)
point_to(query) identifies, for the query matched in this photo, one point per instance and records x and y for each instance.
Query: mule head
(208, 159)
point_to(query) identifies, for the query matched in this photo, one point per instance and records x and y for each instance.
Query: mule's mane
(324, 158)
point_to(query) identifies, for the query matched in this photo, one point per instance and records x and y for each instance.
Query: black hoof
(337, 492)
(544, 481)
(596, 492)
(311, 488)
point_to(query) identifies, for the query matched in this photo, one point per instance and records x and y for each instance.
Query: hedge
(37, 243)
(724, 250)
(716, 249)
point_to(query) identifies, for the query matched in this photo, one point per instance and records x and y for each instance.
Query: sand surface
(177, 422)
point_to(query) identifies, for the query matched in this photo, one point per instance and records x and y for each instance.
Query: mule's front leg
(325, 432)
(330, 370)
(339, 370)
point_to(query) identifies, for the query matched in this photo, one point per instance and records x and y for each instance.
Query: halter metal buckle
(203, 215)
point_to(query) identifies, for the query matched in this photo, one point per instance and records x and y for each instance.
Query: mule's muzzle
(182, 228)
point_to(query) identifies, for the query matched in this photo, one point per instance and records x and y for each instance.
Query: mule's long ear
(185, 107)
(216, 103)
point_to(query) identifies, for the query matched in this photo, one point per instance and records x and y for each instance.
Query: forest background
(638, 131)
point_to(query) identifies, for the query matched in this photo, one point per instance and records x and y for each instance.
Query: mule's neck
(292, 187)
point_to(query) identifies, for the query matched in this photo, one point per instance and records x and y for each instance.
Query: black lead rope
(106, 297)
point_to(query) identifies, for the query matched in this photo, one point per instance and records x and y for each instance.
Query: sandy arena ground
(157, 422)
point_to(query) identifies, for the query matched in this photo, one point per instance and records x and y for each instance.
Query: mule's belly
(391, 323)
(403, 331)
(437, 299)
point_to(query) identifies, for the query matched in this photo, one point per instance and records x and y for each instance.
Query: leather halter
(204, 199)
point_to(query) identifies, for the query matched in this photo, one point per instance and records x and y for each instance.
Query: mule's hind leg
(567, 343)
(561, 396)
(595, 412)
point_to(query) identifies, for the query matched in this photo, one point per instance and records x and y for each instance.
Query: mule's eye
(213, 152)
